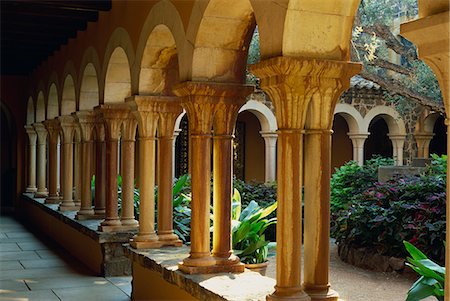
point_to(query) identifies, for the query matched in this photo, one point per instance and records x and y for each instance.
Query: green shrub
(384, 214)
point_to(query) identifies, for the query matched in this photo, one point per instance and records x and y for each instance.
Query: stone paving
(33, 269)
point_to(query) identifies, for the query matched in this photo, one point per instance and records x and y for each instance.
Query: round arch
(89, 97)
(90, 66)
(393, 119)
(30, 111)
(263, 113)
(352, 117)
(52, 102)
(116, 73)
(178, 120)
(430, 121)
(40, 107)
(163, 15)
(159, 63)
(227, 48)
(68, 99)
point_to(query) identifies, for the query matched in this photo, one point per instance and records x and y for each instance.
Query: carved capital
(153, 111)
(113, 116)
(86, 121)
(41, 132)
(202, 100)
(67, 124)
(32, 136)
(53, 129)
(129, 129)
(293, 82)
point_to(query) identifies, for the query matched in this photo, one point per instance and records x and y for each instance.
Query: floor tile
(46, 295)
(3, 235)
(65, 282)
(19, 234)
(4, 256)
(32, 246)
(10, 265)
(13, 285)
(123, 283)
(46, 254)
(36, 273)
(7, 247)
(107, 292)
(43, 263)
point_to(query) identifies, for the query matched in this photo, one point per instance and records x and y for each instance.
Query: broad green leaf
(415, 253)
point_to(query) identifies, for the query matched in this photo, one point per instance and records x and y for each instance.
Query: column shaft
(67, 203)
(127, 216)
(146, 236)
(100, 174)
(289, 214)
(31, 187)
(77, 165)
(41, 160)
(317, 215)
(86, 192)
(165, 197)
(447, 214)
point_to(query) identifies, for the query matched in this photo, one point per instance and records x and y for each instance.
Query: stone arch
(162, 21)
(178, 120)
(319, 29)
(68, 99)
(352, 117)
(30, 111)
(429, 122)
(263, 113)
(89, 61)
(227, 48)
(52, 102)
(40, 107)
(393, 119)
(89, 97)
(159, 63)
(116, 73)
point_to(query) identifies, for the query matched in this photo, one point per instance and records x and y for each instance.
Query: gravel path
(356, 284)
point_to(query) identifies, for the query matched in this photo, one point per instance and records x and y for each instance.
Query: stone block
(386, 173)
(420, 162)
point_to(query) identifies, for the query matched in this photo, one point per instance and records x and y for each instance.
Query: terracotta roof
(361, 83)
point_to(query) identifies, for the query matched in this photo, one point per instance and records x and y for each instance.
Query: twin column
(304, 93)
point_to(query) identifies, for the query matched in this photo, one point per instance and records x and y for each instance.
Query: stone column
(423, 144)
(32, 136)
(398, 141)
(199, 100)
(358, 140)
(170, 109)
(146, 113)
(58, 165)
(41, 160)
(86, 120)
(53, 129)
(67, 124)
(77, 164)
(431, 34)
(100, 169)
(128, 145)
(176, 133)
(291, 84)
(270, 141)
(113, 116)
(231, 99)
(61, 164)
(334, 78)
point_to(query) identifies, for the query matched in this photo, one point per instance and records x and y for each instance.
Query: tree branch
(396, 88)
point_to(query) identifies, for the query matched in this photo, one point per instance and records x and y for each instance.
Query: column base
(295, 296)
(323, 295)
(40, 194)
(53, 200)
(31, 189)
(68, 206)
(130, 223)
(114, 225)
(212, 269)
(145, 241)
(84, 214)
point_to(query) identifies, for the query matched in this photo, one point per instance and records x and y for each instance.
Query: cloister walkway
(33, 269)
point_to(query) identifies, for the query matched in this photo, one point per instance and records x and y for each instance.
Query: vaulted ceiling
(32, 30)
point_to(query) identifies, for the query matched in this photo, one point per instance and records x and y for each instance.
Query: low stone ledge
(109, 258)
(368, 259)
(222, 286)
